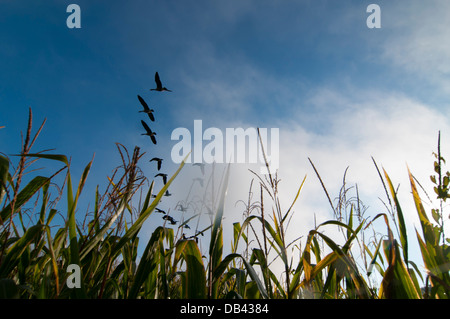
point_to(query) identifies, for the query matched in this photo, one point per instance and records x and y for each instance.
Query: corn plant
(34, 260)
(39, 255)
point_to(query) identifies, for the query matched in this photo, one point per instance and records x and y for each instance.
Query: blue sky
(338, 91)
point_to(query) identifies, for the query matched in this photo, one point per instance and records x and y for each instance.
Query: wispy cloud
(417, 42)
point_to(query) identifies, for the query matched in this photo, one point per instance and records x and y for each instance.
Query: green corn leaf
(427, 227)
(195, 276)
(4, 169)
(350, 222)
(250, 270)
(179, 248)
(236, 235)
(216, 244)
(279, 247)
(72, 226)
(427, 256)
(295, 199)
(397, 282)
(358, 281)
(268, 275)
(55, 157)
(352, 237)
(338, 223)
(374, 258)
(99, 236)
(134, 229)
(24, 195)
(400, 218)
(147, 263)
(13, 254)
(9, 289)
(327, 261)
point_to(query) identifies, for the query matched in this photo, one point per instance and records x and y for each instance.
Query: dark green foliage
(35, 253)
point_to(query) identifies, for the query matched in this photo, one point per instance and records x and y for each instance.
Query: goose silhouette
(157, 159)
(170, 219)
(160, 210)
(149, 132)
(167, 193)
(146, 110)
(164, 177)
(159, 86)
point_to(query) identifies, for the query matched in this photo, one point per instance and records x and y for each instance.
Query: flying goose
(157, 159)
(146, 110)
(149, 132)
(159, 86)
(170, 219)
(164, 177)
(160, 210)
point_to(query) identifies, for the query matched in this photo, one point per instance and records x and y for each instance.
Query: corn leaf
(13, 254)
(425, 223)
(9, 289)
(24, 195)
(134, 229)
(400, 218)
(250, 270)
(295, 199)
(4, 169)
(195, 277)
(216, 243)
(147, 263)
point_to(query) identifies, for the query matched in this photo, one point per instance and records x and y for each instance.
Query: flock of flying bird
(147, 110)
(151, 134)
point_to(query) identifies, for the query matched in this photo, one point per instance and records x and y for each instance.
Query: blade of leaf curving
(295, 199)
(147, 263)
(24, 195)
(13, 255)
(401, 220)
(250, 270)
(195, 276)
(216, 243)
(134, 229)
(4, 168)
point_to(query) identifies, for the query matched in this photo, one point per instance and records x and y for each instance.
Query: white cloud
(394, 129)
(417, 41)
(337, 127)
